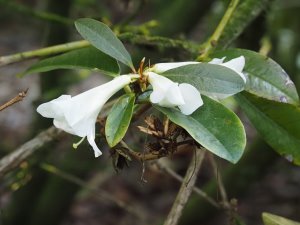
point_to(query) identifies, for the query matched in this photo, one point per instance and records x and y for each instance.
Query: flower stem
(211, 43)
(127, 89)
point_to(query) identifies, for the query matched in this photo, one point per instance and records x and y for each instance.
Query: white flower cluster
(77, 115)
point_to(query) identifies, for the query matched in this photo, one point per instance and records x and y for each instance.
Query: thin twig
(12, 160)
(101, 194)
(5, 60)
(25, 10)
(179, 178)
(221, 186)
(16, 99)
(127, 37)
(213, 40)
(142, 156)
(266, 46)
(186, 188)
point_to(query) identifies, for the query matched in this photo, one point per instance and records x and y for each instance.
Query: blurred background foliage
(75, 188)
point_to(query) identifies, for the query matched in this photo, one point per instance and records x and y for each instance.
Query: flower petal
(236, 64)
(52, 109)
(165, 93)
(172, 97)
(91, 140)
(162, 67)
(217, 61)
(192, 99)
(88, 104)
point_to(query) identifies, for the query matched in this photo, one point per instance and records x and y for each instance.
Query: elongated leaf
(278, 123)
(86, 58)
(101, 36)
(212, 80)
(119, 119)
(265, 77)
(214, 127)
(271, 219)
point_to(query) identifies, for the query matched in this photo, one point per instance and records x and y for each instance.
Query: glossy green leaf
(212, 80)
(271, 219)
(278, 123)
(86, 58)
(265, 77)
(214, 127)
(102, 37)
(119, 119)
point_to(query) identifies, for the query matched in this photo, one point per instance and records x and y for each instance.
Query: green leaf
(102, 37)
(119, 119)
(85, 58)
(214, 127)
(271, 219)
(278, 123)
(265, 77)
(212, 80)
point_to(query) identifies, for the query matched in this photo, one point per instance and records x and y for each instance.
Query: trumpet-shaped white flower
(167, 93)
(236, 64)
(77, 115)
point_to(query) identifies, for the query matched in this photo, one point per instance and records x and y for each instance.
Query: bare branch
(101, 194)
(16, 99)
(186, 188)
(179, 178)
(12, 160)
(134, 39)
(221, 186)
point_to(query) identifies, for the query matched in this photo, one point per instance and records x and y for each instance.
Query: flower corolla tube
(236, 64)
(77, 115)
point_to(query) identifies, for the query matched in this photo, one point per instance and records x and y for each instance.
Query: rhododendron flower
(77, 115)
(236, 64)
(167, 93)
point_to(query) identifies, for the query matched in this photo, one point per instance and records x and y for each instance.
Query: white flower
(236, 64)
(77, 115)
(163, 67)
(167, 93)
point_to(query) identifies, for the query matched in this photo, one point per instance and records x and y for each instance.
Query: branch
(209, 45)
(101, 194)
(244, 14)
(5, 60)
(142, 156)
(11, 161)
(179, 178)
(221, 186)
(47, 16)
(157, 41)
(16, 99)
(186, 188)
